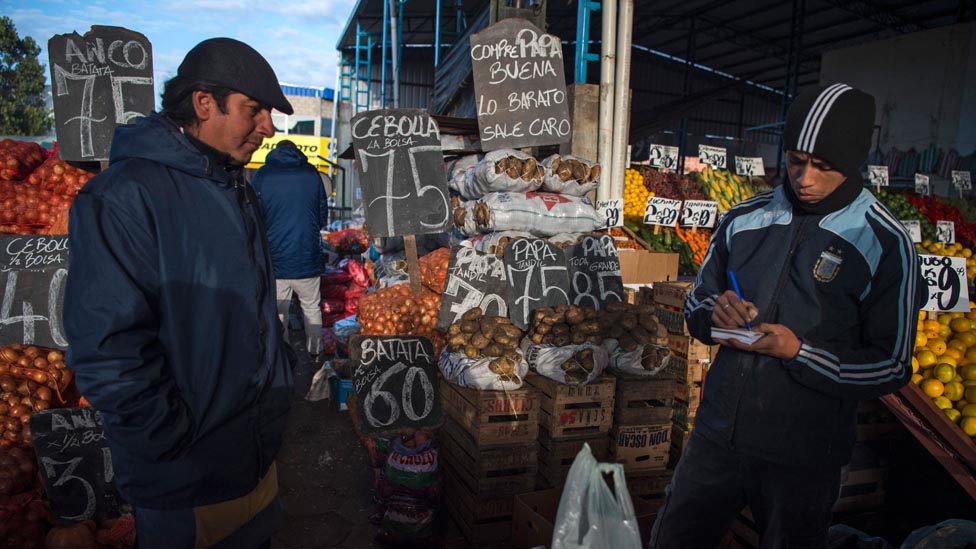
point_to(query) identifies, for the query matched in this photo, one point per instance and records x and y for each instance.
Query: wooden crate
(673, 319)
(556, 456)
(641, 400)
(691, 348)
(480, 520)
(650, 483)
(672, 293)
(494, 417)
(640, 447)
(489, 471)
(684, 370)
(575, 412)
(689, 393)
(862, 490)
(876, 422)
(684, 415)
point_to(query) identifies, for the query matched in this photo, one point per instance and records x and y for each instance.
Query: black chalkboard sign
(33, 269)
(537, 277)
(99, 80)
(520, 86)
(76, 465)
(395, 379)
(594, 271)
(474, 279)
(398, 153)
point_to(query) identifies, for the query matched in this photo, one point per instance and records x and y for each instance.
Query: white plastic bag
(590, 516)
(542, 214)
(548, 360)
(475, 181)
(560, 179)
(475, 372)
(631, 362)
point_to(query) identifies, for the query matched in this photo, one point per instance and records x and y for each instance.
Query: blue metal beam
(584, 9)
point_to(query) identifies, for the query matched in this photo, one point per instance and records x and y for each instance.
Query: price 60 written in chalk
(662, 211)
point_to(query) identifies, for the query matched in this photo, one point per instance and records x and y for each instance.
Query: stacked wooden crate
(570, 416)
(640, 438)
(490, 453)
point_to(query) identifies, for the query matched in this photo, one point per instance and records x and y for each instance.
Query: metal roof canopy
(758, 44)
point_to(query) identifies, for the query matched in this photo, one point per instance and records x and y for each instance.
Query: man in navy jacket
(831, 279)
(170, 312)
(295, 208)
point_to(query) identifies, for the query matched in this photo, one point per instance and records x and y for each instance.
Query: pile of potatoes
(565, 325)
(571, 169)
(476, 335)
(516, 168)
(632, 325)
(577, 369)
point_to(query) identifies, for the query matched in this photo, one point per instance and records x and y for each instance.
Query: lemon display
(944, 372)
(968, 425)
(954, 391)
(933, 387)
(953, 415)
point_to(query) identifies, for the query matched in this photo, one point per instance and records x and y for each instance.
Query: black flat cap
(232, 63)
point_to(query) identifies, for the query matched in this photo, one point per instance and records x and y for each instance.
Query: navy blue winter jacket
(848, 284)
(170, 315)
(295, 208)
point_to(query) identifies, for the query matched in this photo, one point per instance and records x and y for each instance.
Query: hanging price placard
(699, 213)
(713, 156)
(922, 186)
(662, 211)
(612, 210)
(748, 166)
(945, 232)
(878, 175)
(946, 280)
(914, 228)
(962, 180)
(663, 156)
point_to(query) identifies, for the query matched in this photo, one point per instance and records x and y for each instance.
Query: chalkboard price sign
(594, 269)
(33, 269)
(76, 465)
(99, 80)
(474, 279)
(398, 152)
(537, 276)
(395, 379)
(520, 86)
(946, 280)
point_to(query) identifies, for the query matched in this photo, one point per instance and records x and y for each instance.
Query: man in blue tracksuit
(831, 278)
(295, 207)
(169, 308)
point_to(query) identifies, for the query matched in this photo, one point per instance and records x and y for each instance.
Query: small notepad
(745, 336)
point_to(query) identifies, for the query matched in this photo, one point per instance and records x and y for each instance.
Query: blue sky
(298, 38)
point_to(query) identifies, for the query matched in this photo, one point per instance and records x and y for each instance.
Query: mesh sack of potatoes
(541, 214)
(499, 171)
(569, 364)
(494, 243)
(570, 175)
(563, 343)
(483, 352)
(636, 341)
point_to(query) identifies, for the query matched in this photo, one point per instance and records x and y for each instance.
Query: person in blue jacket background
(169, 308)
(295, 208)
(831, 280)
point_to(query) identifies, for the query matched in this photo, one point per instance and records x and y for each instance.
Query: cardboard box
(672, 293)
(640, 447)
(535, 518)
(642, 266)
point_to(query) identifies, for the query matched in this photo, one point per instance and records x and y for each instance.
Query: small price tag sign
(914, 228)
(878, 175)
(946, 280)
(663, 156)
(922, 186)
(662, 211)
(962, 180)
(748, 166)
(945, 232)
(699, 213)
(612, 210)
(713, 156)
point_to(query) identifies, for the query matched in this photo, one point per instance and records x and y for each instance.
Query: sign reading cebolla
(98, 81)
(398, 153)
(520, 86)
(946, 280)
(33, 270)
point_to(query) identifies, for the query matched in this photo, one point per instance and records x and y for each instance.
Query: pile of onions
(19, 158)
(397, 311)
(59, 177)
(17, 469)
(24, 519)
(41, 197)
(433, 269)
(31, 379)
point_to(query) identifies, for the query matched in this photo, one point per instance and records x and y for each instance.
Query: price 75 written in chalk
(662, 211)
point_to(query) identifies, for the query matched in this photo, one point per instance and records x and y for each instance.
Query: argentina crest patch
(828, 265)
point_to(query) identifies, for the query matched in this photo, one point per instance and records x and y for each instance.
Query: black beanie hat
(234, 64)
(834, 123)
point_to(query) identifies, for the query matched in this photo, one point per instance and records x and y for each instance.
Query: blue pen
(735, 286)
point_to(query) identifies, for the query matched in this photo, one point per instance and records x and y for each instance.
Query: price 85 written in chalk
(699, 213)
(612, 211)
(945, 232)
(662, 211)
(946, 280)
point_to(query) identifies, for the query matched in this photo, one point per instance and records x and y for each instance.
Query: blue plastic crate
(340, 389)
